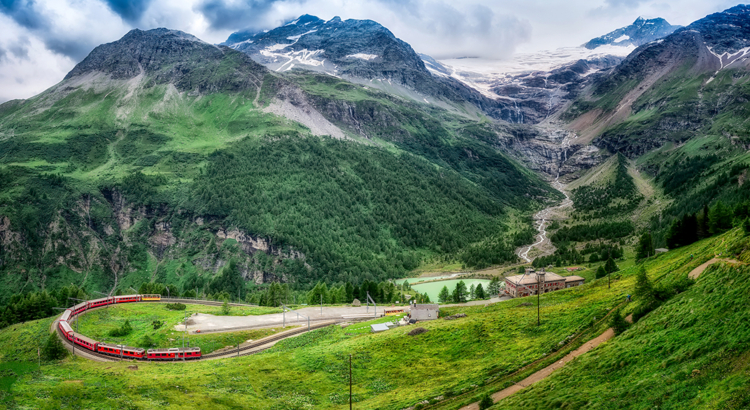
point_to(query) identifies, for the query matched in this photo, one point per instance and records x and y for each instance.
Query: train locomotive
(124, 352)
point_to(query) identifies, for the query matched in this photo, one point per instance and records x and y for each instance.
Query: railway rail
(248, 349)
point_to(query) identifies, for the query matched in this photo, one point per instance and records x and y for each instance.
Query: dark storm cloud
(130, 10)
(27, 14)
(22, 12)
(235, 15)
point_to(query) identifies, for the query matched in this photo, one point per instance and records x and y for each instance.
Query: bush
(418, 331)
(147, 342)
(225, 309)
(122, 331)
(617, 322)
(54, 349)
(176, 306)
(643, 309)
(486, 402)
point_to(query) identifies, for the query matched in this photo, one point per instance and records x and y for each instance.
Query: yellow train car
(394, 311)
(150, 297)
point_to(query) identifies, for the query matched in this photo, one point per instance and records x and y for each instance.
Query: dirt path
(695, 273)
(541, 374)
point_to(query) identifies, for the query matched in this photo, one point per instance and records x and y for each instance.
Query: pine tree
(703, 223)
(460, 293)
(494, 287)
(486, 402)
(643, 288)
(645, 246)
(480, 292)
(601, 272)
(617, 322)
(444, 295)
(472, 292)
(610, 266)
(225, 309)
(54, 349)
(719, 219)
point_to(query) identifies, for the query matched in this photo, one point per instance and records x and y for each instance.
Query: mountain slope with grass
(160, 158)
(690, 352)
(677, 108)
(692, 326)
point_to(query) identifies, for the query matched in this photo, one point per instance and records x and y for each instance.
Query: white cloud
(58, 33)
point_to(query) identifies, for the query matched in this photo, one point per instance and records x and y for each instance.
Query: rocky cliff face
(673, 81)
(172, 57)
(361, 51)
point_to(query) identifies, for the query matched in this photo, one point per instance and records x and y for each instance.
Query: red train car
(174, 353)
(85, 342)
(66, 315)
(121, 351)
(127, 298)
(100, 302)
(81, 307)
(66, 329)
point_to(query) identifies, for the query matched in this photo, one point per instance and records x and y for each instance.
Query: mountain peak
(642, 31)
(356, 48)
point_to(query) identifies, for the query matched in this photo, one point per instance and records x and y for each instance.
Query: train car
(81, 307)
(100, 302)
(67, 330)
(85, 342)
(66, 315)
(174, 353)
(394, 311)
(121, 351)
(145, 298)
(127, 298)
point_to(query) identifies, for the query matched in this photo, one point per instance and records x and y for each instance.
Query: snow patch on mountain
(295, 38)
(363, 56)
(483, 74)
(622, 38)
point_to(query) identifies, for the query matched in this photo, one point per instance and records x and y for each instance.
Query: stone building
(425, 311)
(528, 283)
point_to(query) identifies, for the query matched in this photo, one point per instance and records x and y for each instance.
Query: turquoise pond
(433, 288)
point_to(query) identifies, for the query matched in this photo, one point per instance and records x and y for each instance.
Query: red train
(175, 353)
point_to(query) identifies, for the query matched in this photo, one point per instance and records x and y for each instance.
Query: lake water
(433, 288)
(424, 278)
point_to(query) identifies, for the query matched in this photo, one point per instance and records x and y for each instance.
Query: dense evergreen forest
(618, 197)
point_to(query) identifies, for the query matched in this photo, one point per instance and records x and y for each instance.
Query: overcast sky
(41, 40)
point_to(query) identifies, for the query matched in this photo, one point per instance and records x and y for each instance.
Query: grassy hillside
(108, 183)
(483, 349)
(689, 353)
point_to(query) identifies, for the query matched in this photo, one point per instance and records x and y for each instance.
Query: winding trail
(545, 372)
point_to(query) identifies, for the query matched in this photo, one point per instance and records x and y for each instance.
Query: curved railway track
(246, 350)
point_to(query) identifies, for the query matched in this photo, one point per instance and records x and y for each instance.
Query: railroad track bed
(118, 353)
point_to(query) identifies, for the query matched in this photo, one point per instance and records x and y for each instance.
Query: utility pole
(540, 280)
(321, 305)
(350, 381)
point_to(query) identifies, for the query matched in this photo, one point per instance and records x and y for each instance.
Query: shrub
(54, 349)
(176, 306)
(617, 322)
(486, 402)
(417, 331)
(122, 331)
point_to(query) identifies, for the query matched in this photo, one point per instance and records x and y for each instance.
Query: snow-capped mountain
(360, 49)
(642, 31)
